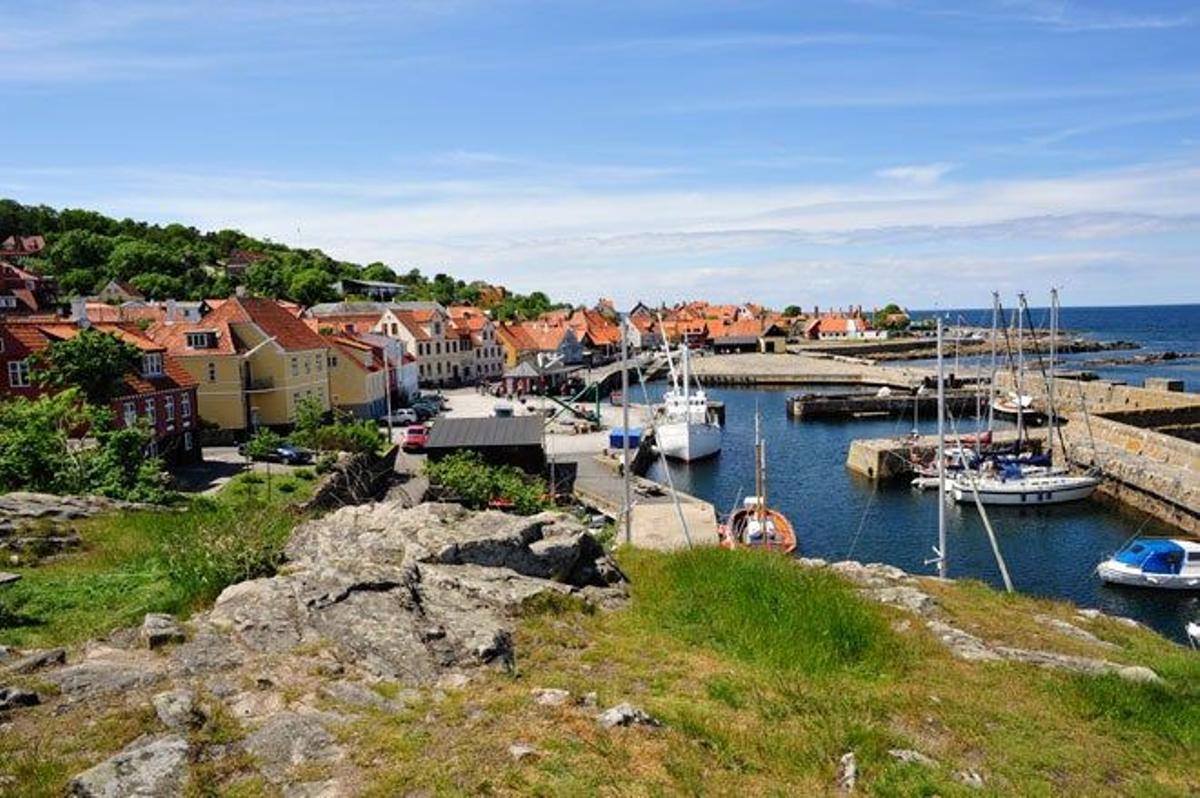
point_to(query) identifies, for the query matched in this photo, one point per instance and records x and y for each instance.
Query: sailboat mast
(941, 454)
(759, 485)
(992, 375)
(687, 377)
(1050, 379)
(1020, 368)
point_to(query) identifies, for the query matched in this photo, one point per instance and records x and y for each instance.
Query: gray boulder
(32, 661)
(288, 739)
(147, 768)
(159, 629)
(177, 709)
(13, 697)
(625, 715)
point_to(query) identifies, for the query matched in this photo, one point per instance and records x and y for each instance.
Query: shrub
(325, 463)
(287, 487)
(306, 474)
(251, 478)
(476, 484)
(262, 443)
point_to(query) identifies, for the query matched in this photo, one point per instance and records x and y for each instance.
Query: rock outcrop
(375, 593)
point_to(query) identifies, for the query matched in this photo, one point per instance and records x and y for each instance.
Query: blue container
(617, 434)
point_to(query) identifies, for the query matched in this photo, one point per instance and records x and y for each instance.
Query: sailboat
(1008, 482)
(754, 524)
(689, 430)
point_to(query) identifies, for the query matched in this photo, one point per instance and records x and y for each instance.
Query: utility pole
(625, 427)
(387, 390)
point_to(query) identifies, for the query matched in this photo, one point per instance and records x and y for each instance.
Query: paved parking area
(221, 464)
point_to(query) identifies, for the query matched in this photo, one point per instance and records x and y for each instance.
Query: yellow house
(356, 377)
(253, 362)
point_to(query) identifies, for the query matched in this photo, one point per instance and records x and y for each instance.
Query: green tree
(793, 310)
(310, 286)
(131, 257)
(158, 286)
(264, 278)
(92, 361)
(80, 249)
(379, 271)
(79, 282)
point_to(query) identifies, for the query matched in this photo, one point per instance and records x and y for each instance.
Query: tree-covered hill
(86, 249)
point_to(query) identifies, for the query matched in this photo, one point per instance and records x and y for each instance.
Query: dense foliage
(476, 484)
(92, 361)
(339, 432)
(86, 249)
(40, 451)
(890, 317)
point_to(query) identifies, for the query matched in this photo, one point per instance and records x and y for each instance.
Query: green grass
(138, 562)
(760, 608)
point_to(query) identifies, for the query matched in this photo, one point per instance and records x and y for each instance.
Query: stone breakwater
(370, 594)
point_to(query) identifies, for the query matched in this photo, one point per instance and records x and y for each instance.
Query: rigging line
(1037, 350)
(862, 521)
(687, 536)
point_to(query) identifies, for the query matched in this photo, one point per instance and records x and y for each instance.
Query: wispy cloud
(750, 40)
(1058, 15)
(917, 174)
(521, 233)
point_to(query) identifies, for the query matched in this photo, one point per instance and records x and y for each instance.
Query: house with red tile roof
(21, 246)
(482, 355)
(526, 340)
(748, 335)
(598, 334)
(254, 362)
(24, 293)
(160, 392)
(357, 378)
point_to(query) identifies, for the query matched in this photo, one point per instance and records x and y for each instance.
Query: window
(437, 328)
(151, 414)
(212, 372)
(169, 409)
(129, 411)
(308, 365)
(320, 363)
(333, 361)
(201, 340)
(152, 364)
(349, 328)
(18, 374)
(185, 405)
(187, 441)
(8, 301)
(1193, 556)
(295, 367)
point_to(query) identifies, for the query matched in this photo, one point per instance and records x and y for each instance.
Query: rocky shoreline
(1064, 346)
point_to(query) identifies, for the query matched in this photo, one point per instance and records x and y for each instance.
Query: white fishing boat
(1170, 563)
(689, 429)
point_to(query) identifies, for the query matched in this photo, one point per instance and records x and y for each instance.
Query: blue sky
(810, 152)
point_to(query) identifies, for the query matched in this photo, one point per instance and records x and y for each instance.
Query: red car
(415, 439)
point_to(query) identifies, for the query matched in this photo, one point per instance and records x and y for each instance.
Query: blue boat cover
(1153, 555)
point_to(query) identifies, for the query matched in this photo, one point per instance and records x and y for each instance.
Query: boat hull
(783, 540)
(1118, 573)
(1023, 493)
(688, 441)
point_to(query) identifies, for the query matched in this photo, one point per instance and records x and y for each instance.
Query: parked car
(415, 438)
(286, 453)
(402, 417)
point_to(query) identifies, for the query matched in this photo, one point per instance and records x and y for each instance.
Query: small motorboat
(1170, 563)
(1012, 407)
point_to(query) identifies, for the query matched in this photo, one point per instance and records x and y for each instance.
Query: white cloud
(839, 239)
(918, 174)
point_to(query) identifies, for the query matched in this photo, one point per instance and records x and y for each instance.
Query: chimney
(79, 313)
(172, 311)
(240, 291)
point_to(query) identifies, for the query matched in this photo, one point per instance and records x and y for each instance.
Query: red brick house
(159, 391)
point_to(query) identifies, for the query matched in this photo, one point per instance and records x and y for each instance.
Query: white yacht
(1155, 562)
(1012, 487)
(688, 430)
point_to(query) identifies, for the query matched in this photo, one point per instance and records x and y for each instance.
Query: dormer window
(152, 364)
(8, 301)
(206, 339)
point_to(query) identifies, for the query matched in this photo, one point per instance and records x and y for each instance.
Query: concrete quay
(805, 369)
(890, 458)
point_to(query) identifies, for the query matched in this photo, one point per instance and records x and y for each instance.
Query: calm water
(1050, 551)
(1158, 328)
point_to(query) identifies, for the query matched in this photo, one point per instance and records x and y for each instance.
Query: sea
(1050, 551)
